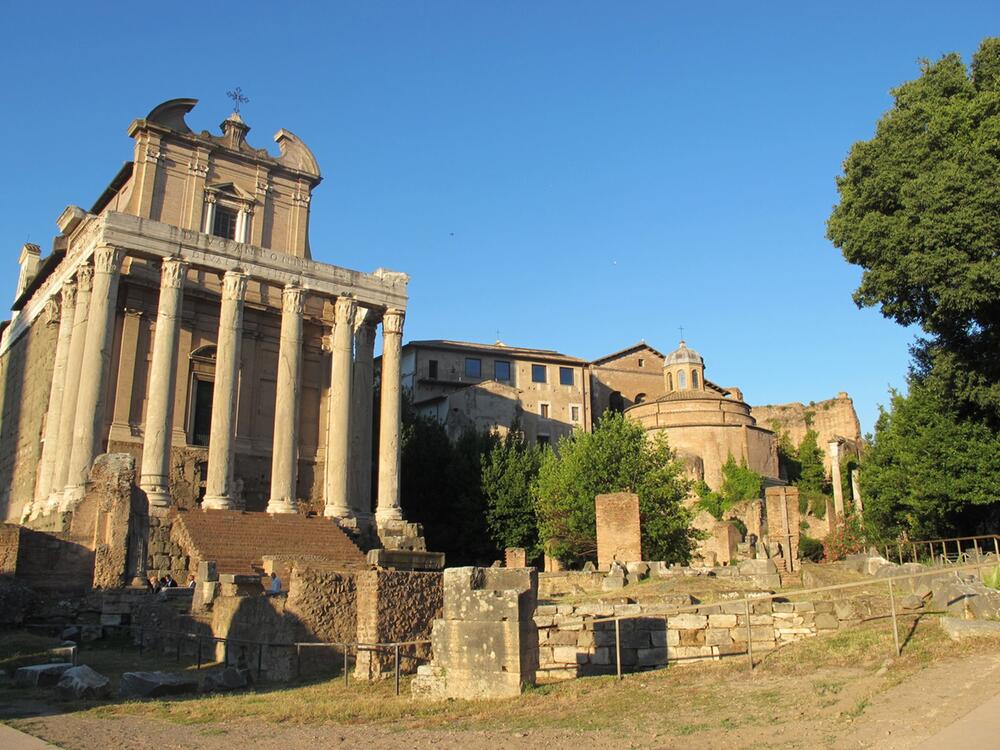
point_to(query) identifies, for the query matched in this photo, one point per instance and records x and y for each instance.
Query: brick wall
(618, 531)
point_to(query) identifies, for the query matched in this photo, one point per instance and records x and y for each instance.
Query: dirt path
(889, 718)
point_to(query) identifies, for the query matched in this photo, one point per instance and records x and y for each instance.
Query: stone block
(718, 637)
(602, 656)
(958, 629)
(564, 654)
(515, 557)
(692, 637)
(618, 530)
(651, 657)
(722, 621)
(155, 685)
(613, 582)
(826, 621)
(687, 622)
(224, 680)
(82, 682)
(39, 675)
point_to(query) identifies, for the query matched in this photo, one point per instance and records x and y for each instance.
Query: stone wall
(110, 491)
(570, 644)
(324, 601)
(392, 607)
(832, 418)
(10, 541)
(25, 377)
(619, 536)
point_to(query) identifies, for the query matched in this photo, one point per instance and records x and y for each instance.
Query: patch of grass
(858, 709)
(18, 649)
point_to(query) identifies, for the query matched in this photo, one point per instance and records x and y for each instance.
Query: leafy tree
(919, 211)
(739, 484)
(930, 471)
(441, 487)
(616, 457)
(508, 472)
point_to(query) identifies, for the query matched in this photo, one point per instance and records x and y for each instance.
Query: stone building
(181, 319)
(704, 422)
(489, 386)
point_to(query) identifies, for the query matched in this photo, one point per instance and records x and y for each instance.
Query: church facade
(183, 320)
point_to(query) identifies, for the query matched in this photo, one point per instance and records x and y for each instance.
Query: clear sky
(575, 175)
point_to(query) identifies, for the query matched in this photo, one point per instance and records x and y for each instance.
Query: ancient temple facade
(182, 320)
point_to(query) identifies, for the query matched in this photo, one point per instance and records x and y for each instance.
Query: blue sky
(574, 175)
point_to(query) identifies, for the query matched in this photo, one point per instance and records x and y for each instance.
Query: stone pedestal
(486, 645)
(783, 523)
(619, 535)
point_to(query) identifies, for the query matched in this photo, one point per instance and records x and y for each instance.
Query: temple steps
(238, 541)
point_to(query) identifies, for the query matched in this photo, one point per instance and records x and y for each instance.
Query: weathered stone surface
(82, 682)
(826, 621)
(155, 685)
(39, 675)
(637, 571)
(613, 582)
(958, 629)
(911, 602)
(618, 533)
(224, 680)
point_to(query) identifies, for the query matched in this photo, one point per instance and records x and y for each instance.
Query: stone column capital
(293, 300)
(108, 259)
(85, 278)
(68, 292)
(173, 271)
(234, 285)
(344, 310)
(392, 321)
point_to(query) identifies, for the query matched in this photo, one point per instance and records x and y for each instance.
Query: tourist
(191, 582)
(170, 583)
(275, 583)
(152, 585)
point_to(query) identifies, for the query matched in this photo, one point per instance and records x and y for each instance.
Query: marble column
(93, 372)
(838, 489)
(52, 419)
(389, 419)
(154, 477)
(285, 450)
(859, 505)
(74, 360)
(362, 387)
(339, 414)
(219, 484)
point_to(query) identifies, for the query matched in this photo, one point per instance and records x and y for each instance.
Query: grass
(815, 683)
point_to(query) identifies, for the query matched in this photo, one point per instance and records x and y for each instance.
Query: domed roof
(683, 356)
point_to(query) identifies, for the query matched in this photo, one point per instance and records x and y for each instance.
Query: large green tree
(508, 472)
(919, 211)
(616, 457)
(930, 471)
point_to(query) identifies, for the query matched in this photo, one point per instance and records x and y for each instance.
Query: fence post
(892, 609)
(346, 647)
(199, 652)
(975, 545)
(746, 605)
(298, 661)
(996, 546)
(140, 640)
(396, 650)
(618, 648)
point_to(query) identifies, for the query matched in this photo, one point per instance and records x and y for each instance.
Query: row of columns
(82, 361)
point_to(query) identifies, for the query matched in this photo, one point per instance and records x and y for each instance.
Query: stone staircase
(788, 579)
(238, 541)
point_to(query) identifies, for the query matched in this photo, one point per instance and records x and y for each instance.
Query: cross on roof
(681, 329)
(238, 98)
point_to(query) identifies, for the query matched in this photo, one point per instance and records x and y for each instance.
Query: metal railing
(889, 582)
(943, 551)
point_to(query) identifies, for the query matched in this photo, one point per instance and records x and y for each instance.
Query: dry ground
(838, 691)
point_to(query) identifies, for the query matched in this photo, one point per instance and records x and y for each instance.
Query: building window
(565, 376)
(642, 362)
(670, 381)
(681, 381)
(432, 369)
(574, 413)
(473, 368)
(225, 223)
(543, 440)
(640, 397)
(543, 410)
(501, 371)
(538, 374)
(694, 379)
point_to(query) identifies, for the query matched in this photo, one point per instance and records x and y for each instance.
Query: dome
(683, 356)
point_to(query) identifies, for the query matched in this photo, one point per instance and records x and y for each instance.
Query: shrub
(810, 549)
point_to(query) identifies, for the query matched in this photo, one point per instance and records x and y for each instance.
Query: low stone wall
(10, 541)
(396, 606)
(572, 645)
(324, 601)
